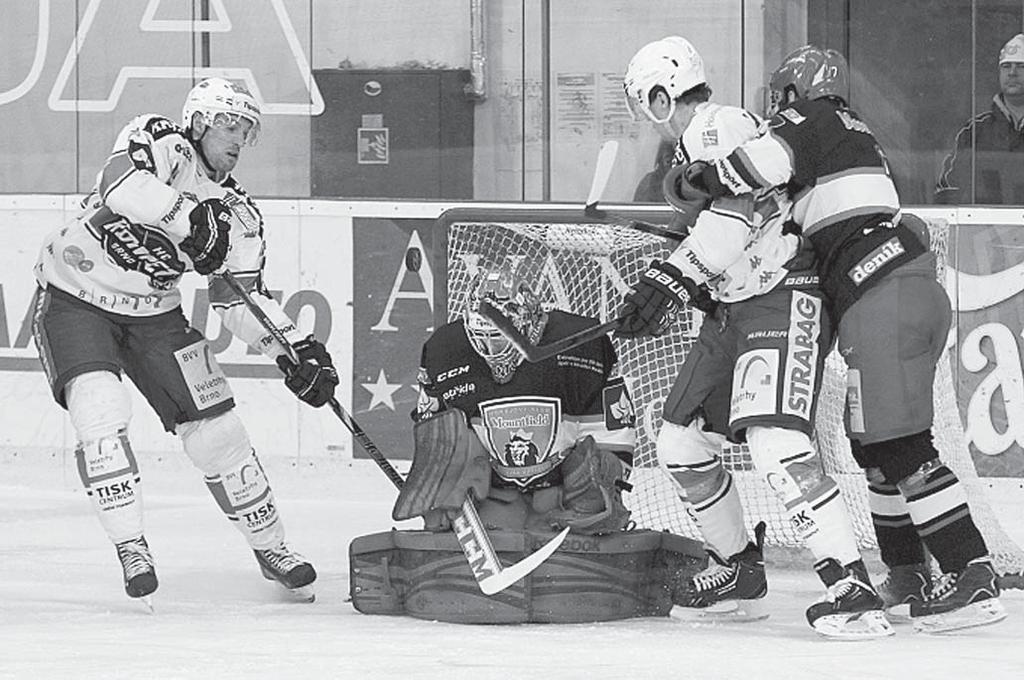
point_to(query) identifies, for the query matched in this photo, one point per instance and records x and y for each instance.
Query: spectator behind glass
(648, 190)
(984, 165)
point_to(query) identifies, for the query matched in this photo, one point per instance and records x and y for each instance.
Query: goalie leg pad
(589, 578)
(591, 491)
(448, 462)
(99, 408)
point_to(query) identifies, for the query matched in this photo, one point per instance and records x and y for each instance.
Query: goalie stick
(491, 576)
(534, 353)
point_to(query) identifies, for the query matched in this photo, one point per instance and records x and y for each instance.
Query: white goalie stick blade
(490, 575)
(602, 173)
(536, 353)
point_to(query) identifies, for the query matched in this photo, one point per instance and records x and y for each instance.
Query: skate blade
(147, 603)
(300, 594)
(982, 613)
(859, 626)
(726, 611)
(898, 613)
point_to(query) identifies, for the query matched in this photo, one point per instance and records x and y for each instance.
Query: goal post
(584, 265)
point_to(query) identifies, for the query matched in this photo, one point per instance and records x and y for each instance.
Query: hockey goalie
(539, 447)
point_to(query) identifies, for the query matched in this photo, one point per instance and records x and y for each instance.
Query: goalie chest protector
(589, 578)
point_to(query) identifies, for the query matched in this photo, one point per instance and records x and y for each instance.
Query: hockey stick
(602, 173)
(490, 574)
(535, 353)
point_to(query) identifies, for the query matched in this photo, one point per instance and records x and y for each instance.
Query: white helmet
(221, 104)
(671, 63)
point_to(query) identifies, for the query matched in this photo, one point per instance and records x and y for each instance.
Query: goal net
(586, 268)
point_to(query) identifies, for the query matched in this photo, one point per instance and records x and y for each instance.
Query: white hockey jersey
(736, 246)
(121, 253)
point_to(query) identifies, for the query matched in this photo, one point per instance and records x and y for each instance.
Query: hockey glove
(207, 243)
(650, 306)
(313, 380)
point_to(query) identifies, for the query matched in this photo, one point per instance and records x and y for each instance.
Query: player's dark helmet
(505, 288)
(810, 73)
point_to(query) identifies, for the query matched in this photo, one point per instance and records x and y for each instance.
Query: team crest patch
(618, 406)
(521, 435)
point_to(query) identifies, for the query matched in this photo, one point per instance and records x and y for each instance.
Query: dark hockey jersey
(844, 197)
(530, 423)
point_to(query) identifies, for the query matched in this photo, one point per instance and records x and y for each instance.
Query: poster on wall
(393, 302)
(989, 298)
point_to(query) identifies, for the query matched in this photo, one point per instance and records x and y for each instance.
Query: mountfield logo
(876, 259)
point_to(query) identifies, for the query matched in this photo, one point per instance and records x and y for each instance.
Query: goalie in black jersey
(542, 445)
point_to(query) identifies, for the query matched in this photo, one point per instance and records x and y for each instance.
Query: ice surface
(64, 614)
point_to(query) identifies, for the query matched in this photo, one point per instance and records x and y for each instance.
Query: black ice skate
(731, 589)
(138, 568)
(960, 600)
(904, 585)
(850, 609)
(288, 568)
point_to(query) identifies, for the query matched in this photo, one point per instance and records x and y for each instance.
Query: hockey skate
(727, 590)
(960, 600)
(138, 569)
(850, 609)
(289, 569)
(904, 584)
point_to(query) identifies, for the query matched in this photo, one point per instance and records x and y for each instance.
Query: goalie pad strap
(448, 462)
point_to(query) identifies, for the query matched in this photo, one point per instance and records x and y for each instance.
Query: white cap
(1013, 50)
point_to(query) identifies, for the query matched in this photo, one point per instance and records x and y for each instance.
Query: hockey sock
(100, 409)
(813, 501)
(938, 505)
(220, 447)
(898, 541)
(704, 485)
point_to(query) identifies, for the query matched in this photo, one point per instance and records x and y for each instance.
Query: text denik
(875, 260)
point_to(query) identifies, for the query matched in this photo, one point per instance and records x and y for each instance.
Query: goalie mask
(507, 292)
(810, 73)
(222, 104)
(672, 64)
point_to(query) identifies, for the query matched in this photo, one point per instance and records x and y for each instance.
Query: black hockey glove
(650, 306)
(207, 243)
(314, 379)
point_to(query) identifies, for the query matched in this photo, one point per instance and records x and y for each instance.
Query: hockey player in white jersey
(108, 306)
(755, 369)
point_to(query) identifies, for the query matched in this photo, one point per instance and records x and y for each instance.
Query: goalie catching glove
(313, 380)
(207, 243)
(650, 306)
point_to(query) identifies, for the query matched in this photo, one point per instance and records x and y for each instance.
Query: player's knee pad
(98, 405)
(215, 445)
(788, 462)
(680, 446)
(899, 458)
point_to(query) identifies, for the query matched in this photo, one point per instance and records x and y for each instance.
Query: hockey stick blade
(602, 173)
(536, 353)
(509, 575)
(470, 532)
